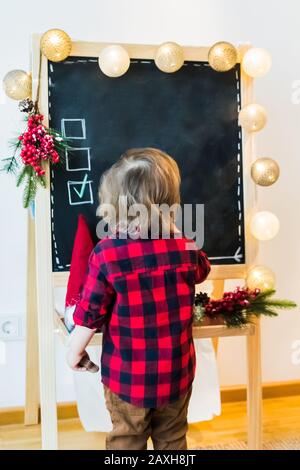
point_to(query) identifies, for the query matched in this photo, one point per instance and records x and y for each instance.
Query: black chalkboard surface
(191, 114)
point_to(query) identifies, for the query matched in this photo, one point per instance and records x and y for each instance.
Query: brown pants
(132, 426)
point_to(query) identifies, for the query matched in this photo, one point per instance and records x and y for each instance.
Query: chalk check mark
(83, 186)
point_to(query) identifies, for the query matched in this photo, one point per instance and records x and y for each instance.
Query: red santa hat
(82, 248)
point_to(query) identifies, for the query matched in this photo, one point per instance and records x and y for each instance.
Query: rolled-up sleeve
(97, 297)
(203, 267)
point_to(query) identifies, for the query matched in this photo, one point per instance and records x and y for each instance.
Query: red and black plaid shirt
(141, 294)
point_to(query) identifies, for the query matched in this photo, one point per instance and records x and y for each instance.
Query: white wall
(273, 25)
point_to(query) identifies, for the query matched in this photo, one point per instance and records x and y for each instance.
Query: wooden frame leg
(254, 389)
(218, 291)
(32, 364)
(44, 285)
(46, 334)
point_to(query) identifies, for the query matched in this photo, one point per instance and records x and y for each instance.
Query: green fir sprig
(264, 304)
(236, 309)
(28, 177)
(11, 164)
(25, 174)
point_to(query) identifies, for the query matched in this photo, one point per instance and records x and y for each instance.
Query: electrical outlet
(11, 328)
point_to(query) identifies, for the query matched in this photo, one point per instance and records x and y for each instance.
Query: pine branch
(26, 175)
(264, 302)
(282, 303)
(31, 180)
(30, 188)
(278, 303)
(262, 296)
(261, 305)
(236, 321)
(21, 176)
(61, 143)
(9, 165)
(265, 312)
(41, 180)
(59, 139)
(15, 143)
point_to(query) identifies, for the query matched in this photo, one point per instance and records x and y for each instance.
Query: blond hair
(142, 176)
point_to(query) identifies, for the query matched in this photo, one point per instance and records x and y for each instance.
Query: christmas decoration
(253, 117)
(114, 61)
(264, 225)
(17, 84)
(82, 248)
(256, 62)
(26, 106)
(35, 146)
(56, 45)
(260, 277)
(169, 57)
(236, 309)
(265, 171)
(222, 56)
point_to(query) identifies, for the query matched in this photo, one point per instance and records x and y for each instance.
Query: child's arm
(203, 268)
(91, 313)
(77, 357)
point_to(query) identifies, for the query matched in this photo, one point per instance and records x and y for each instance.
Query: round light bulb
(260, 277)
(264, 225)
(169, 57)
(56, 45)
(265, 171)
(222, 56)
(253, 117)
(17, 85)
(114, 61)
(256, 62)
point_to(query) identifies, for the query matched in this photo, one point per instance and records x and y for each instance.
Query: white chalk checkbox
(73, 129)
(78, 159)
(80, 192)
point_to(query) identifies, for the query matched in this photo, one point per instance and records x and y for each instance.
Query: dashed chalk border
(238, 255)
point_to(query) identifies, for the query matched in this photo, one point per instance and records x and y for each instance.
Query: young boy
(140, 291)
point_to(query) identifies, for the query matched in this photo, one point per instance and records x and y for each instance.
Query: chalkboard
(191, 114)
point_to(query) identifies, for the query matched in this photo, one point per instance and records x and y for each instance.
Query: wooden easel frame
(41, 269)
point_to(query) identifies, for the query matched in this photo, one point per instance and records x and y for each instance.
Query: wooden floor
(281, 418)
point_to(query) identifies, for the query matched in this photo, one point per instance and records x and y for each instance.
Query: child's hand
(80, 362)
(77, 357)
